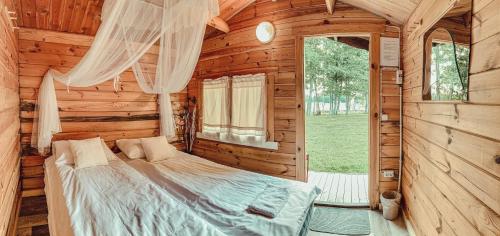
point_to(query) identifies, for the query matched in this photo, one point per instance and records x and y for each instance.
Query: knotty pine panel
(9, 120)
(83, 17)
(389, 140)
(450, 178)
(111, 112)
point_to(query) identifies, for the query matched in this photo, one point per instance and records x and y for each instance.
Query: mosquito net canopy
(128, 30)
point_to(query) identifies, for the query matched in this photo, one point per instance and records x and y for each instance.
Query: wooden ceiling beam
(229, 8)
(219, 24)
(356, 42)
(330, 6)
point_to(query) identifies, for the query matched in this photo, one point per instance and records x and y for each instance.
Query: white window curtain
(128, 30)
(248, 108)
(216, 108)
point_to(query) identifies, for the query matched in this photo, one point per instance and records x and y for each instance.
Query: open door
(336, 98)
(366, 103)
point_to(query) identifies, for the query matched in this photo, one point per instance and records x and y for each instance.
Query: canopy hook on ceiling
(116, 80)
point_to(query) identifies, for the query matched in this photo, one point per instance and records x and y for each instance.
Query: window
(248, 106)
(448, 74)
(447, 50)
(216, 107)
(446, 67)
(234, 110)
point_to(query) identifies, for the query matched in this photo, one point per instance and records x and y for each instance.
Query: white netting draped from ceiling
(128, 30)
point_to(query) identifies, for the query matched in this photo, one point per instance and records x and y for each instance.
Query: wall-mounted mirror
(447, 55)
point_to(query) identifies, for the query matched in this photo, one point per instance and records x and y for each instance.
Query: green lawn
(337, 143)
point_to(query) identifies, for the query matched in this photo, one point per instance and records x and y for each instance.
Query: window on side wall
(216, 116)
(234, 110)
(248, 109)
(447, 50)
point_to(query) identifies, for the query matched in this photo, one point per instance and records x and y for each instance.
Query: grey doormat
(346, 221)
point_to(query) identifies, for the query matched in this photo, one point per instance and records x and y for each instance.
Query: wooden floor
(33, 221)
(341, 189)
(379, 227)
(33, 217)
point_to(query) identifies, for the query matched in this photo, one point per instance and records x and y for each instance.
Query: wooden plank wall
(85, 112)
(239, 52)
(389, 129)
(451, 183)
(386, 95)
(9, 118)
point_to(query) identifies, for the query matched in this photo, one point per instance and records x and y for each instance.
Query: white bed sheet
(221, 194)
(59, 224)
(115, 200)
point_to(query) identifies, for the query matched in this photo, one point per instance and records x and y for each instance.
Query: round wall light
(265, 32)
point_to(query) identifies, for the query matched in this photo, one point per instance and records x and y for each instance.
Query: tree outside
(336, 89)
(449, 71)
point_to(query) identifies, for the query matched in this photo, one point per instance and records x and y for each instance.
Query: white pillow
(157, 148)
(131, 147)
(88, 153)
(64, 147)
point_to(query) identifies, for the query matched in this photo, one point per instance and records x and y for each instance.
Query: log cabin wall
(9, 118)
(451, 183)
(239, 52)
(389, 129)
(126, 112)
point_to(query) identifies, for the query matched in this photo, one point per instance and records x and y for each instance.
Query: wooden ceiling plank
(67, 13)
(56, 8)
(395, 11)
(96, 20)
(29, 13)
(87, 16)
(330, 6)
(57, 20)
(74, 21)
(19, 12)
(83, 16)
(42, 14)
(78, 16)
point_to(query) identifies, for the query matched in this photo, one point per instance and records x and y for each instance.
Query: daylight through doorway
(336, 73)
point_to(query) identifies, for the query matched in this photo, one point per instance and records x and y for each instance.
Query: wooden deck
(341, 189)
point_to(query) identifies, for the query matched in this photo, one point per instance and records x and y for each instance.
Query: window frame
(427, 67)
(269, 142)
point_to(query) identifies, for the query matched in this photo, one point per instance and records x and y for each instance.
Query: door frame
(373, 111)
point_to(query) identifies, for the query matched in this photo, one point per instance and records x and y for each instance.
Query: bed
(220, 194)
(187, 195)
(114, 200)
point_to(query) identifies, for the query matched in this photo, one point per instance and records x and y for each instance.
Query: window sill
(265, 145)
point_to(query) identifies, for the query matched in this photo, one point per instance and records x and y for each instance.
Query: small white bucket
(390, 204)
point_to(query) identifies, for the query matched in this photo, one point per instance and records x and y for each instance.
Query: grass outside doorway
(337, 143)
